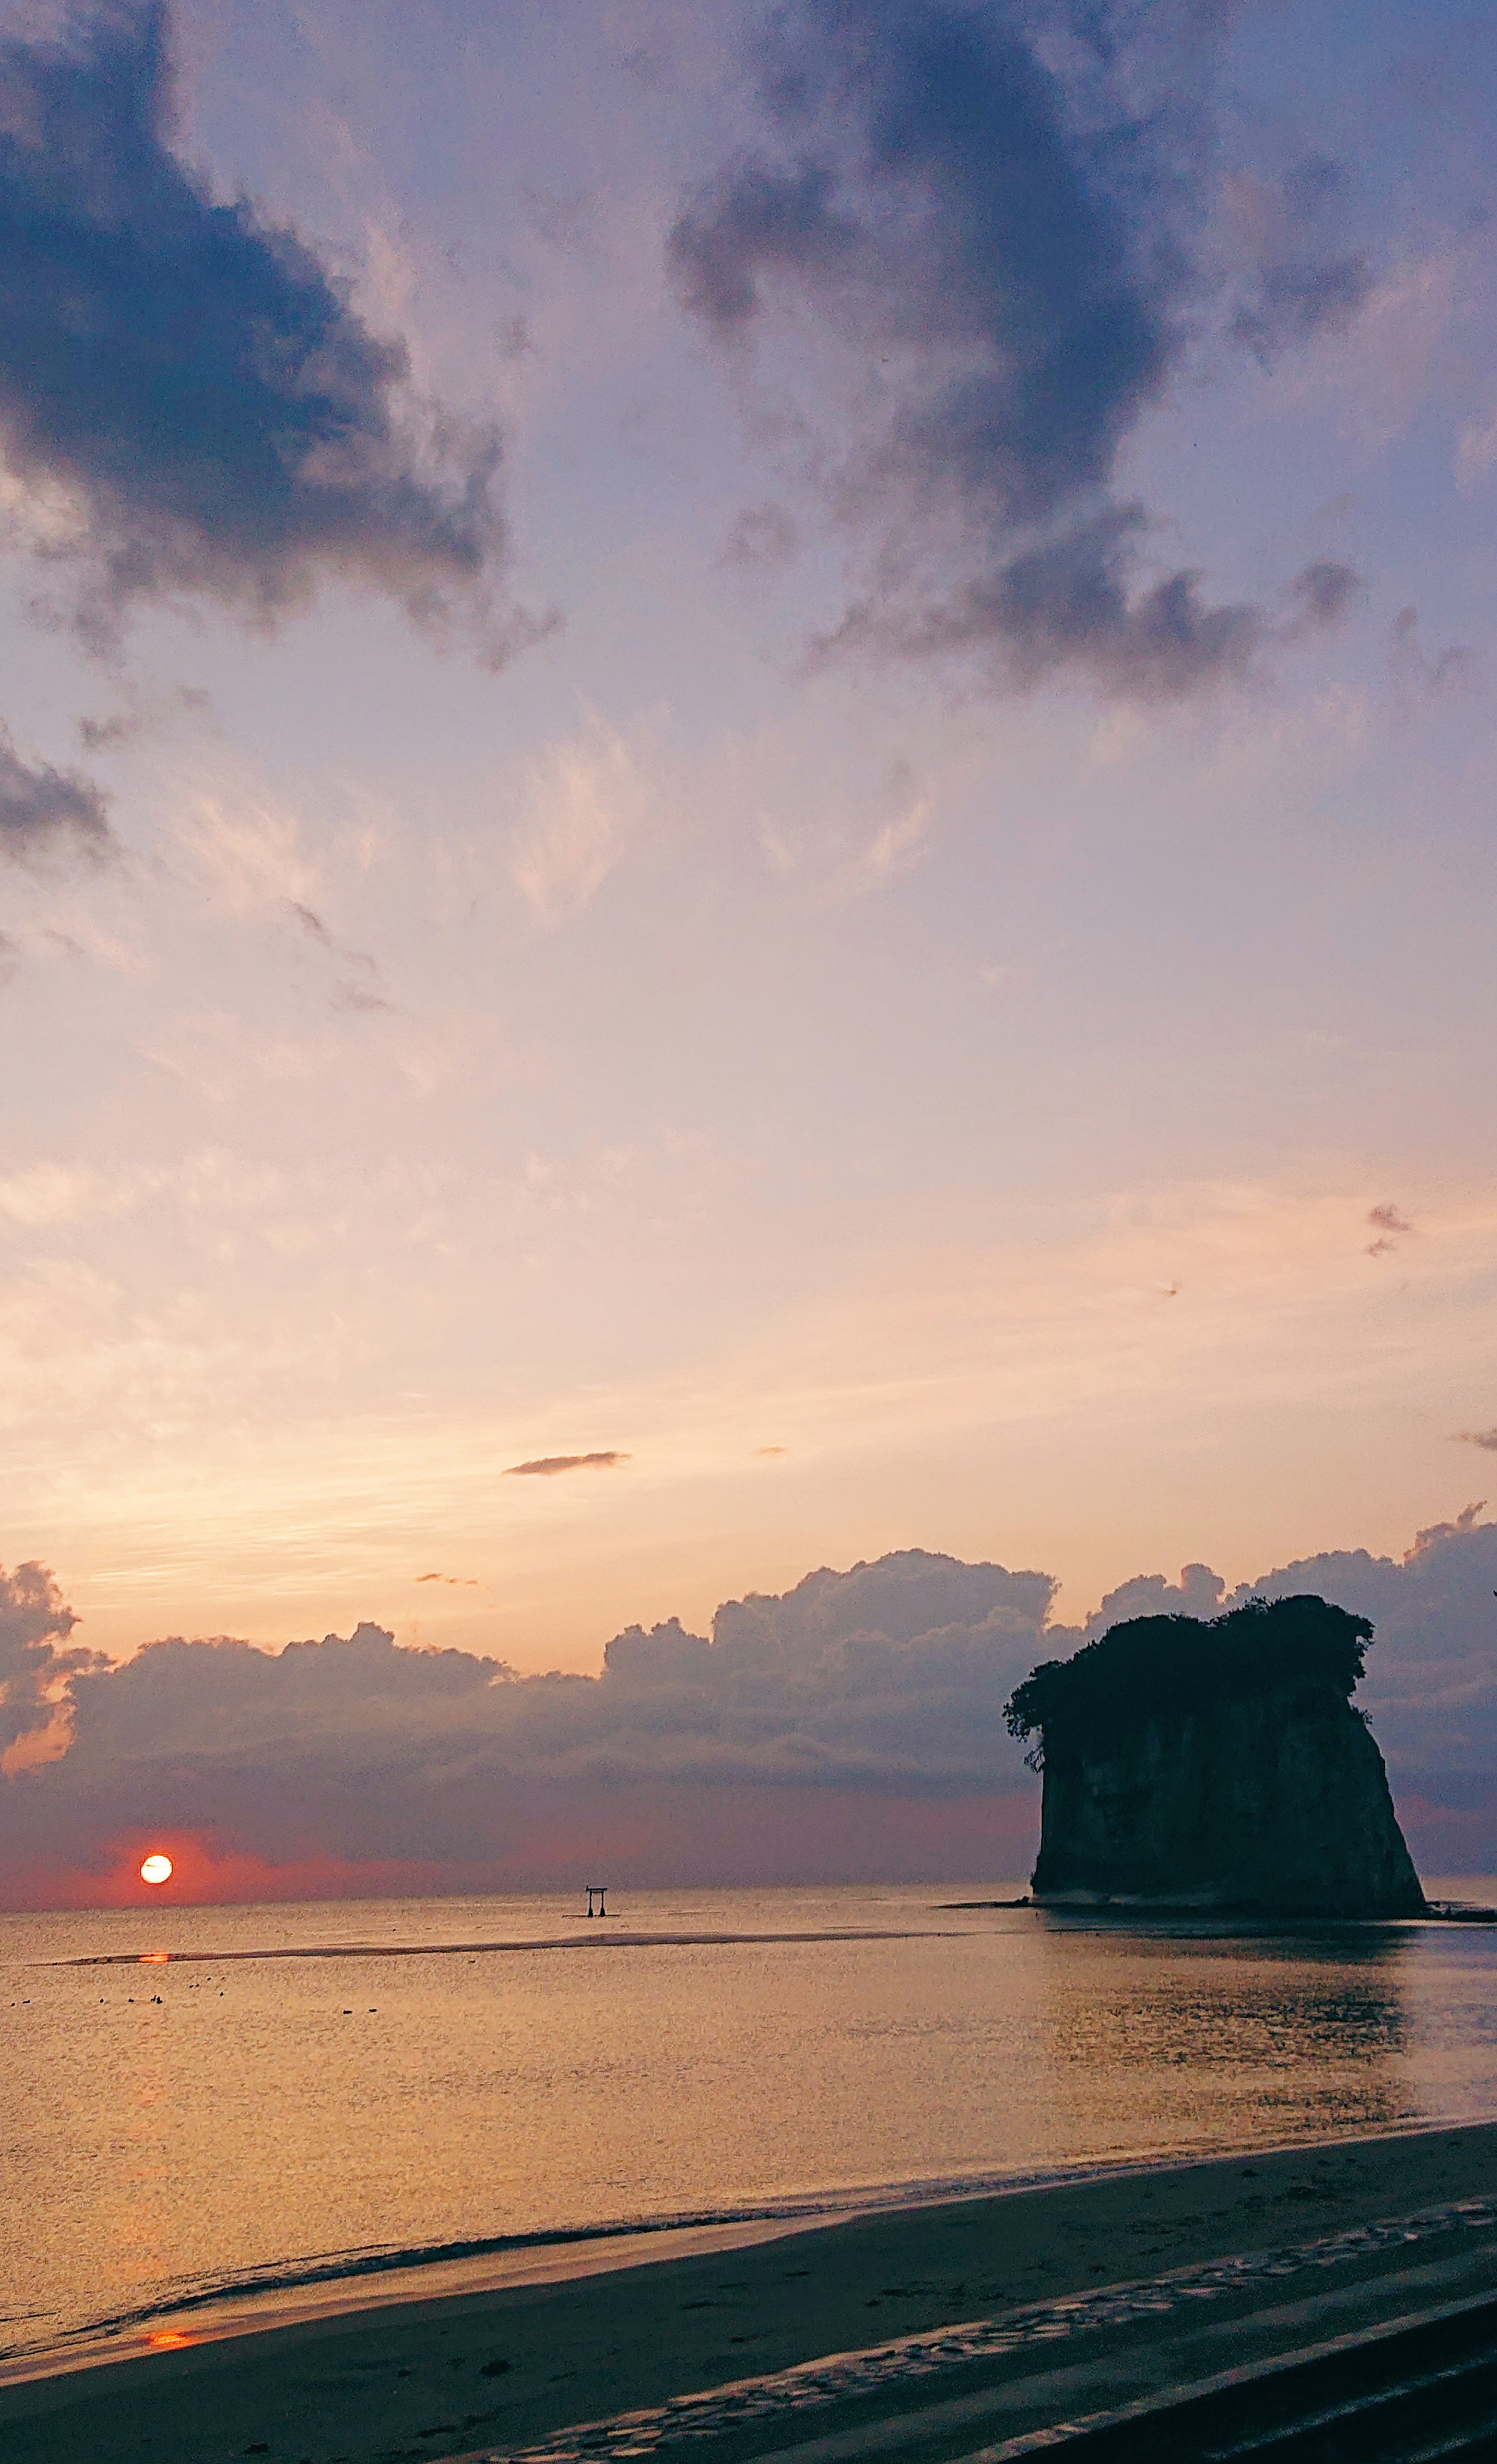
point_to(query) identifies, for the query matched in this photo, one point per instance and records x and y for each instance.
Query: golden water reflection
(231, 2121)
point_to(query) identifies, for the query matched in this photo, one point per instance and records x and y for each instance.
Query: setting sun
(156, 1868)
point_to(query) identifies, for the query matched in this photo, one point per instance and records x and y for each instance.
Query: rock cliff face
(1216, 1765)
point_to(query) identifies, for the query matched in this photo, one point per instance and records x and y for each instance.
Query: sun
(156, 1868)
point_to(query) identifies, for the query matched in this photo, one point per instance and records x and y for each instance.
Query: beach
(597, 2331)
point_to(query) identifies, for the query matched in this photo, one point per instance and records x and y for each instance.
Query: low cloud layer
(186, 395)
(991, 209)
(852, 1723)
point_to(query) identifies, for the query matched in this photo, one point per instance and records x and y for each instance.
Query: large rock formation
(1215, 1764)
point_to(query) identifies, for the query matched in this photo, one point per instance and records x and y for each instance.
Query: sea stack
(1215, 1764)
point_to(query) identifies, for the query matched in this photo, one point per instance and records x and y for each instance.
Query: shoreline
(323, 2291)
(237, 2327)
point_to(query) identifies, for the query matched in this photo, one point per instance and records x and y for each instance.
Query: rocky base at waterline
(1216, 1765)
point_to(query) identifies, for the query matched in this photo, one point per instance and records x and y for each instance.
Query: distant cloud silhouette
(190, 384)
(988, 212)
(544, 1466)
(1487, 1437)
(42, 809)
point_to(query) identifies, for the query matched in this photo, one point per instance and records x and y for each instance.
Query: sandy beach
(466, 2369)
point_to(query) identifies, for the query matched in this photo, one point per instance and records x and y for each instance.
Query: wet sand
(464, 2368)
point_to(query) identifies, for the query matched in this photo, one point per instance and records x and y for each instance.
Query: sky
(745, 816)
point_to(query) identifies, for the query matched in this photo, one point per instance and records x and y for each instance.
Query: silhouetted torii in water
(596, 1891)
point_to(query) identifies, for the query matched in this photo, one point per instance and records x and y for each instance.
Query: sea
(212, 2114)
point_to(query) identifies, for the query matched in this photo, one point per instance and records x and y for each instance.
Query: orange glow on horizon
(156, 1868)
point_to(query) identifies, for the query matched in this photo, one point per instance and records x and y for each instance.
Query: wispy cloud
(544, 1466)
(1390, 1227)
(987, 217)
(588, 803)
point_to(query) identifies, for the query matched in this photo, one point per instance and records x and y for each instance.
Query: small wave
(801, 2210)
(334, 2267)
(804, 2208)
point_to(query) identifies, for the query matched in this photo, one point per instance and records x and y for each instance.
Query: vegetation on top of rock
(1161, 1664)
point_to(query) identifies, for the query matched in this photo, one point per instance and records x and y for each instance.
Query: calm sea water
(169, 2129)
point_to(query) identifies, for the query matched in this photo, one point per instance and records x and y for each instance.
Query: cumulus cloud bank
(187, 398)
(988, 206)
(852, 1724)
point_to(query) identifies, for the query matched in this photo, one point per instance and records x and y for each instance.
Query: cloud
(988, 213)
(1298, 300)
(588, 801)
(1413, 669)
(545, 1466)
(106, 734)
(887, 1681)
(44, 809)
(1325, 593)
(1198, 1594)
(37, 1661)
(1390, 1226)
(763, 536)
(188, 383)
(1070, 602)
(358, 990)
(1304, 285)
(1487, 1437)
(853, 1722)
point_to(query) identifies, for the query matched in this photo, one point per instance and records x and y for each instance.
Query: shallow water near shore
(186, 2115)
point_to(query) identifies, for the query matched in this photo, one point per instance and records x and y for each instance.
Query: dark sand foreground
(504, 2367)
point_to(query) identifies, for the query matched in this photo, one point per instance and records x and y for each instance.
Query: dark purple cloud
(1324, 592)
(993, 207)
(43, 810)
(194, 378)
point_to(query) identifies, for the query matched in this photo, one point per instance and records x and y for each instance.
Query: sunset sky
(753, 745)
